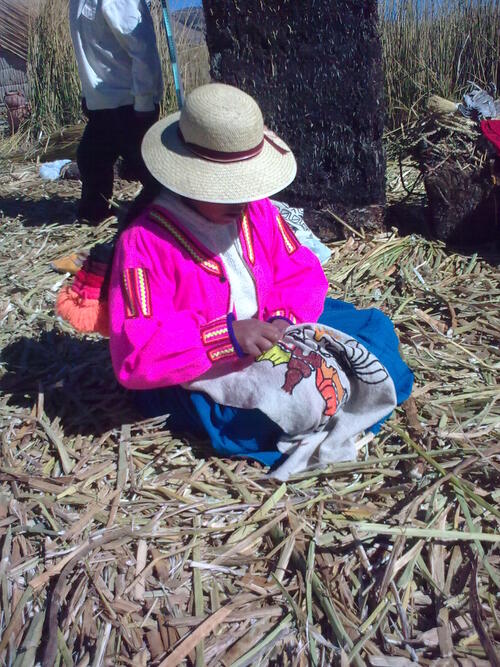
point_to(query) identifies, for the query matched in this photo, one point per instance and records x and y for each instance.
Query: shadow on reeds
(36, 212)
(469, 238)
(74, 379)
(409, 218)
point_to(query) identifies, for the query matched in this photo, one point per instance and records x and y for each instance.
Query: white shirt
(116, 53)
(222, 240)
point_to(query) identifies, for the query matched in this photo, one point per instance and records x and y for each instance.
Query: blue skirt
(250, 433)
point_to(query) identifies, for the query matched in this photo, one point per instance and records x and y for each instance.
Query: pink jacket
(169, 297)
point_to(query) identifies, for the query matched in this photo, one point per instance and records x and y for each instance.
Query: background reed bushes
(430, 47)
(436, 47)
(52, 72)
(56, 92)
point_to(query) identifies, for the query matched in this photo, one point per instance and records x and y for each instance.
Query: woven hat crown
(221, 118)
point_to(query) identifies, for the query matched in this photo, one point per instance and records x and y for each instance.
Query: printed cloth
(295, 218)
(479, 104)
(320, 386)
(250, 432)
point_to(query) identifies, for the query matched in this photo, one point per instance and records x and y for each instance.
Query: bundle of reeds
(444, 160)
(122, 545)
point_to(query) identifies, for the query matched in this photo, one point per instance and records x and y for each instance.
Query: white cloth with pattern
(295, 218)
(322, 387)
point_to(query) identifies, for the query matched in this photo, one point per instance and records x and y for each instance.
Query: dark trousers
(109, 134)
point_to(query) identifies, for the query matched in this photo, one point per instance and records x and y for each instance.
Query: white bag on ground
(295, 218)
(51, 171)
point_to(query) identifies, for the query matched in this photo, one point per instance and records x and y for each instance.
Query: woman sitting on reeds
(208, 281)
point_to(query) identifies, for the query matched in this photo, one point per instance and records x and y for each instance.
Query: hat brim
(186, 174)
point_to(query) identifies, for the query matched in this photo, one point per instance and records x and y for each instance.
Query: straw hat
(216, 149)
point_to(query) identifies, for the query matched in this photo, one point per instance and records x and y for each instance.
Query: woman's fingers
(265, 344)
(281, 326)
(255, 337)
(253, 350)
(272, 333)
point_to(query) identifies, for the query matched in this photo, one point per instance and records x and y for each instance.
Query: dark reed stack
(315, 67)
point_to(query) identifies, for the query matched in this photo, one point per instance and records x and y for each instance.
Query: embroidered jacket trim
(248, 238)
(289, 239)
(285, 314)
(215, 336)
(222, 352)
(136, 292)
(210, 264)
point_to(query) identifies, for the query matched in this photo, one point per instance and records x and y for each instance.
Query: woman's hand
(281, 324)
(256, 337)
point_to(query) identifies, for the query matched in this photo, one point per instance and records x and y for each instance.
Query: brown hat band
(221, 156)
(232, 156)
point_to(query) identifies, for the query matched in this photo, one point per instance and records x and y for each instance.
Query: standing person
(120, 72)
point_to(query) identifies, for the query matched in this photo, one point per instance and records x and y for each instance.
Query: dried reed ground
(124, 546)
